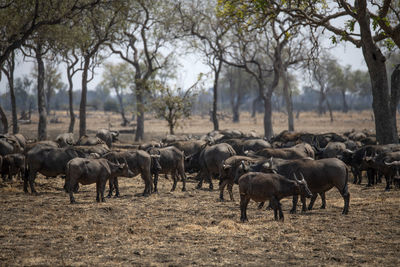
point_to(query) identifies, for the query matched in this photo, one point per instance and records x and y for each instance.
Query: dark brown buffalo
(333, 150)
(261, 187)
(100, 149)
(44, 143)
(172, 161)
(146, 146)
(107, 136)
(48, 161)
(209, 162)
(321, 175)
(89, 171)
(86, 140)
(65, 139)
(189, 147)
(387, 164)
(13, 164)
(302, 150)
(138, 162)
(230, 170)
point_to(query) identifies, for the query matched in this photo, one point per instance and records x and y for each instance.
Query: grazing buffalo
(100, 149)
(321, 175)
(172, 161)
(261, 187)
(209, 162)
(333, 150)
(146, 146)
(48, 161)
(6, 147)
(89, 171)
(107, 136)
(189, 147)
(138, 162)
(65, 139)
(13, 164)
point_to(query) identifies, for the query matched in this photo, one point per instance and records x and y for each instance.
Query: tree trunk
(48, 96)
(288, 100)
(124, 120)
(215, 98)
(82, 108)
(330, 109)
(4, 120)
(140, 112)
(268, 131)
(385, 132)
(395, 95)
(71, 103)
(10, 77)
(235, 113)
(42, 128)
(254, 106)
(345, 106)
(321, 101)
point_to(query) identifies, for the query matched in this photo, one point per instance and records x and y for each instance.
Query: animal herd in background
(291, 164)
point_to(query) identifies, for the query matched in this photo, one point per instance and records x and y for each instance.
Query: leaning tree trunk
(384, 127)
(71, 103)
(330, 109)
(395, 94)
(254, 106)
(288, 100)
(82, 108)
(320, 102)
(42, 127)
(140, 112)
(4, 120)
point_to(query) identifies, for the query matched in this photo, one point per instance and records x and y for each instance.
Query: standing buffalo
(321, 175)
(49, 161)
(107, 136)
(138, 162)
(172, 161)
(261, 187)
(86, 140)
(13, 164)
(209, 161)
(89, 171)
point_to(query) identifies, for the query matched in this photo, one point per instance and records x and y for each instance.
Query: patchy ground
(193, 227)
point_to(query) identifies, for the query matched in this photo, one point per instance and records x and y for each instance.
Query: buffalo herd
(290, 164)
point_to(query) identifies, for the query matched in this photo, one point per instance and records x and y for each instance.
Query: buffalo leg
(304, 204)
(346, 197)
(69, 187)
(294, 202)
(388, 182)
(155, 182)
(26, 184)
(323, 199)
(200, 184)
(183, 177)
(370, 176)
(102, 188)
(222, 185)
(111, 187)
(98, 191)
(230, 191)
(175, 179)
(244, 201)
(313, 198)
(32, 182)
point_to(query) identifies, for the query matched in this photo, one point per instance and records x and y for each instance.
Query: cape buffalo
(65, 139)
(172, 162)
(261, 187)
(89, 171)
(107, 136)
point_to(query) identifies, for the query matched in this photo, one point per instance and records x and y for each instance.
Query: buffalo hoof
(243, 220)
(184, 189)
(322, 207)
(221, 200)
(198, 187)
(387, 189)
(103, 200)
(116, 196)
(109, 196)
(345, 212)
(72, 201)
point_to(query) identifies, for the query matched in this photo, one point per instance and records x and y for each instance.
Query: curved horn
(302, 176)
(295, 177)
(391, 163)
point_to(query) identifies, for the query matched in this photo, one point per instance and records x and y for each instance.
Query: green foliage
(111, 105)
(171, 105)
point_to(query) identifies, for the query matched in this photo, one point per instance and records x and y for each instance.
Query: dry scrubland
(193, 228)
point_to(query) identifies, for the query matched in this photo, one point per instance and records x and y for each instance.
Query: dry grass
(193, 228)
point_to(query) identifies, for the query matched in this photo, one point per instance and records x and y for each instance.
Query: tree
(210, 31)
(8, 70)
(140, 44)
(4, 120)
(100, 25)
(172, 105)
(118, 77)
(52, 82)
(21, 19)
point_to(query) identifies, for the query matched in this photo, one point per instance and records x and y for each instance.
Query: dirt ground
(193, 227)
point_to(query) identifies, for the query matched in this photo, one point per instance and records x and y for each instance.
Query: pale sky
(346, 53)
